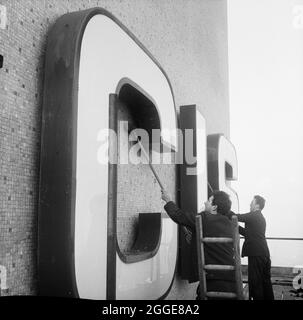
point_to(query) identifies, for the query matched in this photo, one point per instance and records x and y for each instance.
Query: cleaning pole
(151, 165)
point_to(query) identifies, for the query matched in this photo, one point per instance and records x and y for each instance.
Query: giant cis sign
(94, 66)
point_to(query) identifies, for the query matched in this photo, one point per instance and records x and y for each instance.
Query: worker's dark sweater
(214, 225)
(254, 233)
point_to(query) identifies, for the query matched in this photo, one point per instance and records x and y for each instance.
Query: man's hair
(222, 201)
(260, 201)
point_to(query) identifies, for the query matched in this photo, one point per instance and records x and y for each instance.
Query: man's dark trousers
(259, 283)
(256, 249)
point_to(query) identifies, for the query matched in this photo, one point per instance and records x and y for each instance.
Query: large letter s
(222, 166)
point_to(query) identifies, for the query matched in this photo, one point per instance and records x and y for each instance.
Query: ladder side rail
(201, 257)
(236, 245)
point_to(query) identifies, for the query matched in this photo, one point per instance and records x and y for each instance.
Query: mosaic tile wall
(189, 40)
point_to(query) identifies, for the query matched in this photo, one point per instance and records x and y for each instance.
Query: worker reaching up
(256, 249)
(216, 223)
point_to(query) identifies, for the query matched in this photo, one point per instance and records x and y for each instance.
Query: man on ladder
(224, 275)
(216, 223)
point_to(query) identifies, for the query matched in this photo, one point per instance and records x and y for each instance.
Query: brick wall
(187, 37)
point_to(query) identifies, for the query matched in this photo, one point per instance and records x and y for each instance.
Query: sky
(266, 110)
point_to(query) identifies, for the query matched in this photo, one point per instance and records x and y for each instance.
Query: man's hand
(230, 214)
(165, 196)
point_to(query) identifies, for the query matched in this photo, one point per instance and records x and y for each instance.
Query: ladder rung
(228, 295)
(217, 240)
(218, 267)
(204, 267)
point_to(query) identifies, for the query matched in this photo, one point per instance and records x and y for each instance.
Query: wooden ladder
(235, 240)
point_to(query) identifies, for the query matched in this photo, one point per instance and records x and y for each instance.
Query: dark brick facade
(187, 37)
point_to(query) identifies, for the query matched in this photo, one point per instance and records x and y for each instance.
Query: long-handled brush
(188, 233)
(150, 164)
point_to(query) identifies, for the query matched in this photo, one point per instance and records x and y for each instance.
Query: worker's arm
(230, 214)
(246, 217)
(176, 214)
(241, 229)
(241, 217)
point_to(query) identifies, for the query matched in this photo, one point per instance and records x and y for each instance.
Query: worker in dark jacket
(256, 249)
(215, 224)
